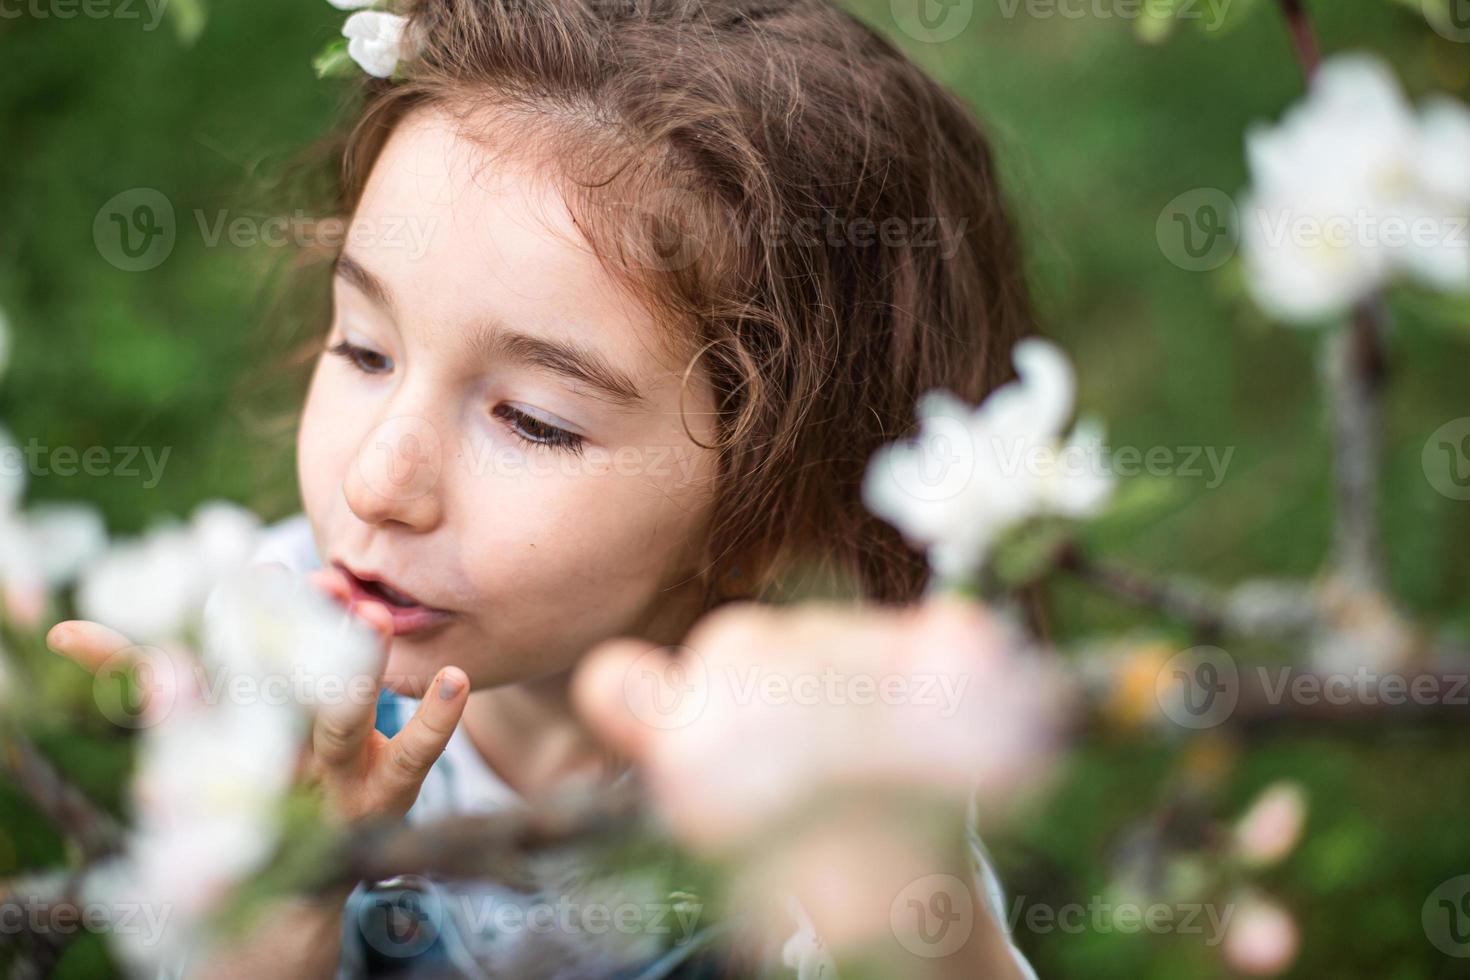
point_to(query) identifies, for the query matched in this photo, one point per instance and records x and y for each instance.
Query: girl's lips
(408, 614)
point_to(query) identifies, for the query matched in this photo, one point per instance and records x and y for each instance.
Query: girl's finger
(341, 729)
(377, 617)
(333, 582)
(422, 740)
(89, 644)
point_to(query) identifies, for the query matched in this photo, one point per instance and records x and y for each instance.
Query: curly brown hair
(818, 222)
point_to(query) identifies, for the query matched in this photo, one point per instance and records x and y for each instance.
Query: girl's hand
(800, 740)
(361, 773)
(763, 709)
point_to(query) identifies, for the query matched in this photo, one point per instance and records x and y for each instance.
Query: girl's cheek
(325, 442)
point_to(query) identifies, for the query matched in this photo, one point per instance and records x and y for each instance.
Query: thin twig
(1355, 378)
(1303, 38)
(91, 829)
(496, 847)
(42, 916)
(1204, 613)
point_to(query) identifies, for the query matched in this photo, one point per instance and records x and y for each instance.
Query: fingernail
(448, 687)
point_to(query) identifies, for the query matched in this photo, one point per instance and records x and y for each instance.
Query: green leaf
(1027, 553)
(1140, 499)
(333, 61)
(1444, 311)
(189, 17)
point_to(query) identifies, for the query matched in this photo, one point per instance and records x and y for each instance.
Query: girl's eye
(535, 431)
(366, 360)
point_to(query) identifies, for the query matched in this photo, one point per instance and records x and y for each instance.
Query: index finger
(87, 643)
(341, 729)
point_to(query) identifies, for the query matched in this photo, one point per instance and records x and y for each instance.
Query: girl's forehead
(472, 197)
(459, 233)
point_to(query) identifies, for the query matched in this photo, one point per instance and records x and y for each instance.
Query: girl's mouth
(408, 613)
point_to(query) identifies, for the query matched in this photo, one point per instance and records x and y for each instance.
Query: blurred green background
(1096, 131)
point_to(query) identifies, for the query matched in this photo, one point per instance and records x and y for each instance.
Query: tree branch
(1356, 368)
(91, 829)
(1303, 38)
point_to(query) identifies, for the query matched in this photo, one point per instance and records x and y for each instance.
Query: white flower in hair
(376, 41)
(970, 475)
(352, 4)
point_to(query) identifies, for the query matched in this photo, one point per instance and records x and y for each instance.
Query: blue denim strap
(390, 713)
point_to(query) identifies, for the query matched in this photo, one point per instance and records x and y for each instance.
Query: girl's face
(493, 444)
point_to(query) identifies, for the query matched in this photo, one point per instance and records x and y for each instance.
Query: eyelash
(357, 357)
(536, 432)
(524, 426)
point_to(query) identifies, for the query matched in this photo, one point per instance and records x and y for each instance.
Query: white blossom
(42, 548)
(12, 472)
(376, 41)
(218, 771)
(264, 622)
(65, 537)
(21, 586)
(352, 4)
(225, 535)
(972, 474)
(206, 801)
(1351, 188)
(145, 588)
(152, 589)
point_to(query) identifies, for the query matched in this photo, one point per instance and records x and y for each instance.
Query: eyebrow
(566, 358)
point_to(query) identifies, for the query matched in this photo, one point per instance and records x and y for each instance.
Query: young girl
(684, 265)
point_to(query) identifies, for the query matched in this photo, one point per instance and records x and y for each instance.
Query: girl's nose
(397, 474)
